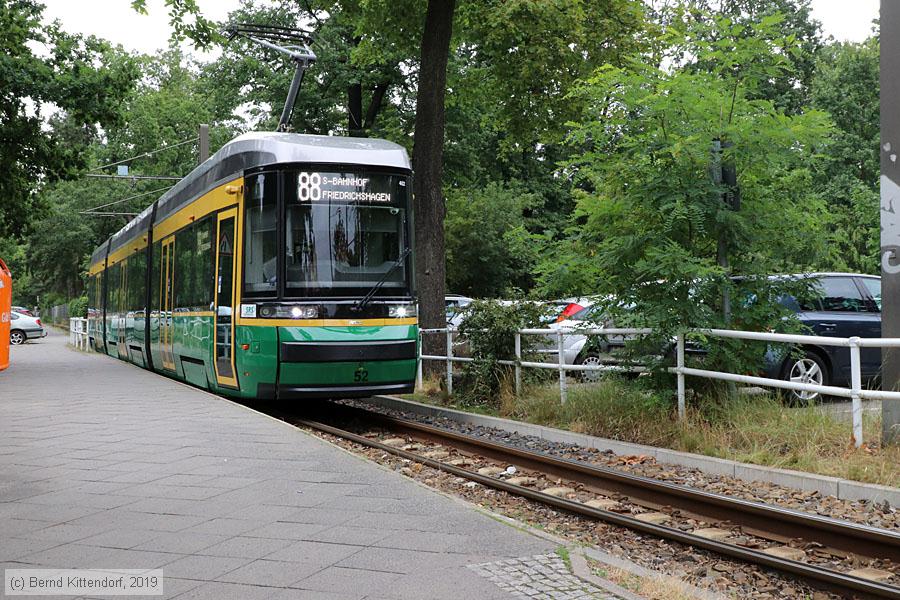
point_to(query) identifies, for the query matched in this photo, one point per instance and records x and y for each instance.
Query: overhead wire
(95, 208)
(147, 154)
(110, 214)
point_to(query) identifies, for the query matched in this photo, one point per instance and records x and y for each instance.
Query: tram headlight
(303, 312)
(297, 311)
(401, 311)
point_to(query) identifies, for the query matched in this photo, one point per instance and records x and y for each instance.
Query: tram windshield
(343, 233)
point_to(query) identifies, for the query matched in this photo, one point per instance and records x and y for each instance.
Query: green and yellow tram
(280, 268)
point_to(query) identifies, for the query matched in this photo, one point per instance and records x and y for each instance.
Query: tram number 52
(309, 186)
(361, 375)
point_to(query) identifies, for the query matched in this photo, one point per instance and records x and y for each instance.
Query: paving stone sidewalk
(104, 465)
(541, 577)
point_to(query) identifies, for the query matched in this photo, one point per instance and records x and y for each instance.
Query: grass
(656, 587)
(756, 429)
(563, 553)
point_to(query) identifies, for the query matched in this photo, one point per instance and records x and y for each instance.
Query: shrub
(78, 307)
(490, 327)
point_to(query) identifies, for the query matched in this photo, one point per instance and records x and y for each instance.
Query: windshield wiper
(361, 303)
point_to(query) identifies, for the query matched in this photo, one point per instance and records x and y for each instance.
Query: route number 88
(309, 186)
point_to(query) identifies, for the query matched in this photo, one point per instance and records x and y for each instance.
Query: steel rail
(833, 580)
(766, 520)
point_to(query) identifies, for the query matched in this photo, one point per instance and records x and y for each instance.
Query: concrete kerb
(830, 486)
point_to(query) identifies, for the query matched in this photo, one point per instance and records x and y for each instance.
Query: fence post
(419, 366)
(518, 364)
(679, 374)
(449, 362)
(855, 389)
(562, 370)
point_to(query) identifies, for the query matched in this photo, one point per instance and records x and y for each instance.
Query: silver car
(455, 303)
(24, 327)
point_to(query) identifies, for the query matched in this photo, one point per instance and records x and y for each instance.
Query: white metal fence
(855, 392)
(78, 333)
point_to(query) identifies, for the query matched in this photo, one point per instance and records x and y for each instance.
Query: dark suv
(847, 305)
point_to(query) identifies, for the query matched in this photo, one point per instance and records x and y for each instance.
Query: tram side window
(126, 282)
(194, 265)
(154, 278)
(261, 235)
(136, 282)
(115, 288)
(124, 302)
(204, 258)
(103, 292)
(93, 295)
(185, 242)
(123, 285)
(90, 293)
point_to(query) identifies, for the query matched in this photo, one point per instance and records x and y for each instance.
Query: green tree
(490, 251)
(165, 109)
(84, 78)
(846, 85)
(789, 89)
(648, 209)
(345, 92)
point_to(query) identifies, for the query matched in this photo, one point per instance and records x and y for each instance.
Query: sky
(846, 20)
(115, 20)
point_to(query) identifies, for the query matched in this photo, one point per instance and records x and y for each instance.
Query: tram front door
(224, 313)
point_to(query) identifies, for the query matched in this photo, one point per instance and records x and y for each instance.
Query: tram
(280, 268)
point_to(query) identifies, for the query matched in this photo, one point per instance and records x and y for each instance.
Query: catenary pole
(890, 212)
(204, 143)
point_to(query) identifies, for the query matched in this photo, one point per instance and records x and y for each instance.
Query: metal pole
(855, 388)
(563, 393)
(679, 374)
(284, 123)
(204, 143)
(449, 362)
(419, 365)
(890, 223)
(518, 364)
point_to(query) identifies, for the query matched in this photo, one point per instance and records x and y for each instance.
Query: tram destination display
(315, 186)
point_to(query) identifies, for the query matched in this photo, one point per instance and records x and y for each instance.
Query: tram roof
(259, 149)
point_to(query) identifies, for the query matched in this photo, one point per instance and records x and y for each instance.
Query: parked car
(578, 348)
(23, 310)
(575, 344)
(570, 306)
(455, 303)
(24, 327)
(846, 305)
(583, 349)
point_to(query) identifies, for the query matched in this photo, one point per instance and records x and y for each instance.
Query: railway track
(839, 538)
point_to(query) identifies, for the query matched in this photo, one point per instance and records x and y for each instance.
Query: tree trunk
(428, 162)
(354, 110)
(375, 105)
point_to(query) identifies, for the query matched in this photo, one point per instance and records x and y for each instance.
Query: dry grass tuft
(656, 587)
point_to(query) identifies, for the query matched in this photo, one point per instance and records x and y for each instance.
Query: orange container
(5, 308)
